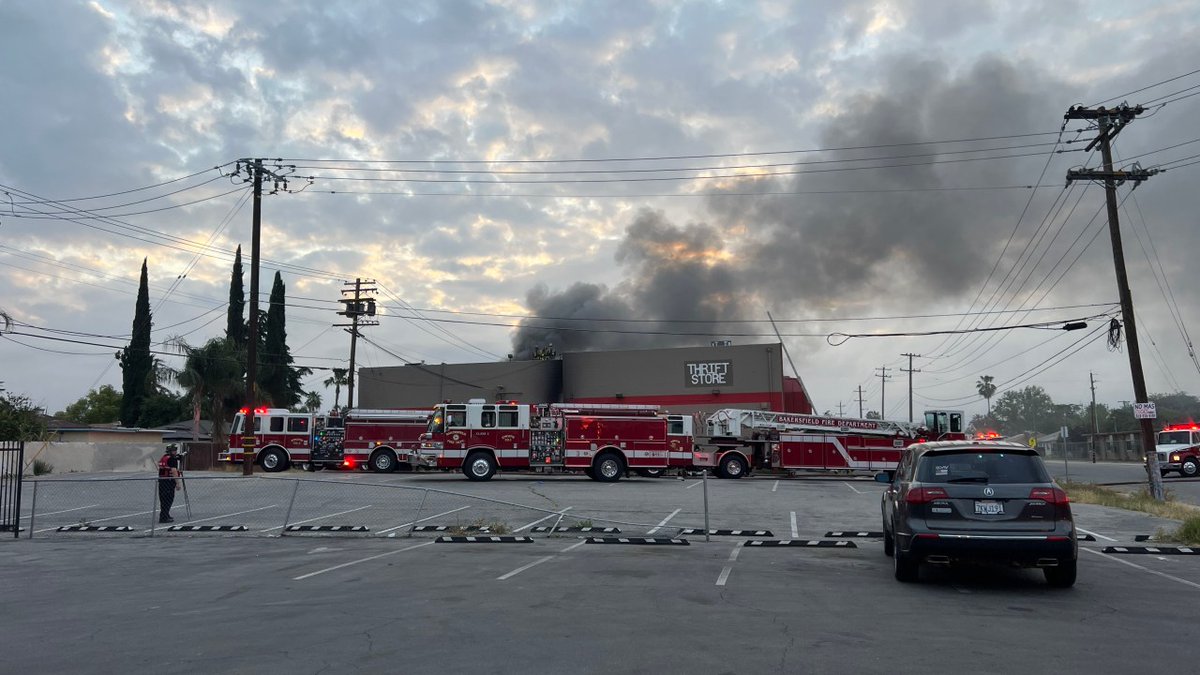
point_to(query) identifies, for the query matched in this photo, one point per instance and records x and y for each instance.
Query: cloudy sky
(645, 173)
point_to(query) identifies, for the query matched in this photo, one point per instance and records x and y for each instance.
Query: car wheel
(651, 473)
(889, 545)
(907, 567)
(273, 460)
(383, 462)
(1062, 576)
(1190, 468)
(732, 466)
(608, 468)
(480, 466)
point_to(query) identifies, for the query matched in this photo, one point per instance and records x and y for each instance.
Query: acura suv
(977, 501)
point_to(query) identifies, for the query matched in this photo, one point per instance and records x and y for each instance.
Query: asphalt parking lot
(369, 602)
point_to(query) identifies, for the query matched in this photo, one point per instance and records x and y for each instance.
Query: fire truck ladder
(732, 422)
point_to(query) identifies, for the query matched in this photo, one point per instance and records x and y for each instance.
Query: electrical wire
(1149, 86)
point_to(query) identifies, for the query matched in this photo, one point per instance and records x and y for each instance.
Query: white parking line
(362, 560)
(729, 568)
(1095, 534)
(664, 521)
(574, 546)
(55, 513)
(795, 533)
(775, 486)
(301, 522)
(693, 485)
(856, 490)
(100, 520)
(228, 515)
(437, 515)
(1144, 569)
(539, 520)
(522, 568)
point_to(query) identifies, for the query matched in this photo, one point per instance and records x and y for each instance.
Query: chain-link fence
(1110, 451)
(282, 506)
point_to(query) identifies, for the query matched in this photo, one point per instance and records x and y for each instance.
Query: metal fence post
(153, 505)
(417, 518)
(704, 479)
(288, 516)
(33, 512)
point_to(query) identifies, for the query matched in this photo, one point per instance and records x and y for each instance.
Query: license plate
(989, 508)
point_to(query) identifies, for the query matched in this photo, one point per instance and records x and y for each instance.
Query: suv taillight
(923, 495)
(1051, 495)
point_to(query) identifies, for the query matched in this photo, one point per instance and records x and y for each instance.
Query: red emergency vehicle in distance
(1178, 448)
(604, 441)
(381, 440)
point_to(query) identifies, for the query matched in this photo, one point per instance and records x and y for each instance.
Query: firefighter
(169, 476)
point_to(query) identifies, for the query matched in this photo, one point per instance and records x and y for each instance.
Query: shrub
(41, 467)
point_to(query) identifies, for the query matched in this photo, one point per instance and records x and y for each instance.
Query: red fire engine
(603, 441)
(379, 439)
(1178, 448)
(741, 440)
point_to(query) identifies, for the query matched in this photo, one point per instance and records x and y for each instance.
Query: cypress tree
(235, 322)
(280, 382)
(136, 362)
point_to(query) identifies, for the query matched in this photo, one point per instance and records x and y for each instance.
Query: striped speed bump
(1143, 537)
(602, 530)
(449, 528)
(95, 528)
(1152, 550)
(327, 528)
(814, 543)
(641, 541)
(484, 540)
(1087, 537)
(207, 528)
(859, 535)
(730, 533)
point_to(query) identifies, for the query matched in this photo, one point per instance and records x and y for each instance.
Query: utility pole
(883, 378)
(841, 409)
(1095, 429)
(860, 402)
(1109, 123)
(255, 174)
(356, 307)
(910, 371)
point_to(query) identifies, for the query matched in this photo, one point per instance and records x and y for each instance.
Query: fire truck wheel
(650, 473)
(590, 473)
(608, 468)
(383, 461)
(1190, 468)
(732, 466)
(480, 466)
(273, 460)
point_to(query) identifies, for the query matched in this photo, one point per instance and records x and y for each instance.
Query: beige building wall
(425, 385)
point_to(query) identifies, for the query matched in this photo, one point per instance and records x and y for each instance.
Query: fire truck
(603, 441)
(1178, 448)
(381, 440)
(742, 440)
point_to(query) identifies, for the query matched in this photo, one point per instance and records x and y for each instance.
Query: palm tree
(312, 401)
(211, 374)
(341, 376)
(986, 390)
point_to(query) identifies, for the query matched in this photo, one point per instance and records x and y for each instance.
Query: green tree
(99, 406)
(312, 401)
(211, 374)
(20, 420)
(986, 390)
(136, 364)
(339, 379)
(235, 319)
(163, 408)
(278, 380)
(1028, 409)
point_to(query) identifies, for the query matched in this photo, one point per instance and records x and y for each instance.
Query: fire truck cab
(1178, 448)
(281, 437)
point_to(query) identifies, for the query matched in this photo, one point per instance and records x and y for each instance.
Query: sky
(607, 175)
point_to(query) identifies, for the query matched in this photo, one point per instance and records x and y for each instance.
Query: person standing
(168, 481)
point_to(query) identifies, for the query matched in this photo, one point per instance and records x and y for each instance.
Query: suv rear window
(981, 466)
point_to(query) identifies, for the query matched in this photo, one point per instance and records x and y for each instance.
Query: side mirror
(883, 477)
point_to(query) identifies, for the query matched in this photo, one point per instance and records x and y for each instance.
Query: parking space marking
(729, 568)
(437, 515)
(227, 515)
(574, 546)
(1094, 534)
(539, 520)
(55, 513)
(301, 522)
(1144, 569)
(522, 568)
(775, 486)
(658, 527)
(856, 490)
(361, 560)
(98, 520)
(795, 532)
(693, 485)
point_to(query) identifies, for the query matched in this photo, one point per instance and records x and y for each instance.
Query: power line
(1149, 86)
